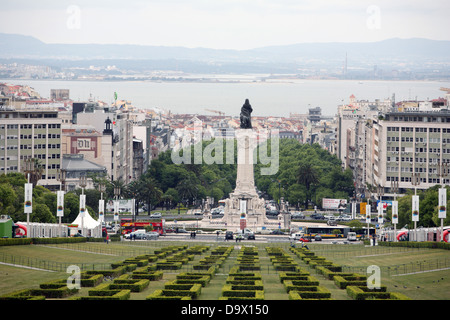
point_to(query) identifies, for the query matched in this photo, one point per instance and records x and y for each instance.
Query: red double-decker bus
(128, 226)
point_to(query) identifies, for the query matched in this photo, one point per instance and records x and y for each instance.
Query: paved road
(214, 238)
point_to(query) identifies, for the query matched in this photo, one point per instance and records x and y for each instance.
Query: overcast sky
(224, 24)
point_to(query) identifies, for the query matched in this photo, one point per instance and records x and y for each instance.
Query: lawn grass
(423, 286)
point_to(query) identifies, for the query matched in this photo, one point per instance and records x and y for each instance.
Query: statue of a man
(246, 111)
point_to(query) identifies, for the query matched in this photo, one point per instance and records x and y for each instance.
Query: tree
(8, 197)
(308, 176)
(151, 192)
(188, 189)
(41, 213)
(71, 207)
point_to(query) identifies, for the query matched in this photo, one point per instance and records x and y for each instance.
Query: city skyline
(237, 25)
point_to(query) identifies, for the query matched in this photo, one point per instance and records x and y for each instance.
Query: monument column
(246, 143)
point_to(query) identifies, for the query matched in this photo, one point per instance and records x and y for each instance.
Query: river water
(274, 98)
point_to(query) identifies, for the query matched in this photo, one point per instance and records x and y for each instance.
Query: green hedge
(148, 257)
(91, 280)
(364, 293)
(15, 241)
(342, 281)
(114, 273)
(301, 274)
(295, 295)
(243, 285)
(197, 250)
(25, 294)
(178, 290)
(414, 244)
(164, 265)
(61, 292)
(25, 241)
(103, 292)
(229, 292)
(149, 275)
(329, 271)
(134, 285)
(159, 295)
(312, 292)
(296, 284)
(191, 278)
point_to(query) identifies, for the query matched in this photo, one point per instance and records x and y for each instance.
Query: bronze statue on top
(246, 111)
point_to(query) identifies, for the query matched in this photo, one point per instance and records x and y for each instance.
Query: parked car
(219, 210)
(295, 236)
(304, 239)
(332, 221)
(151, 236)
(179, 230)
(198, 212)
(249, 236)
(272, 212)
(317, 237)
(277, 231)
(156, 215)
(297, 215)
(317, 216)
(263, 230)
(229, 235)
(135, 236)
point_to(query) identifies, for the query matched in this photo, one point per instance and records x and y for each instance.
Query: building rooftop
(76, 162)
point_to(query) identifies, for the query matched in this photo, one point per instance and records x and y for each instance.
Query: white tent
(86, 223)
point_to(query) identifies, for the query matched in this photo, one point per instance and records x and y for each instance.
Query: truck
(247, 233)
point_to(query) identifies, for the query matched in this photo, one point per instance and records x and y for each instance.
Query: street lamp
(101, 204)
(394, 189)
(83, 184)
(443, 171)
(116, 204)
(61, 176)
(33, 173)
(415, 181)
(380, 192)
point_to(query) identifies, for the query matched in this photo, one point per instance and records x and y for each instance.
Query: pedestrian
(107, 238)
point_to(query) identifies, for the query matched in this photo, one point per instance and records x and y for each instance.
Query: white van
(296, 236)
(351, 236)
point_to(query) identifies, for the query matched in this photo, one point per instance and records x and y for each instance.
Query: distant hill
(406, 55)
(20, 46)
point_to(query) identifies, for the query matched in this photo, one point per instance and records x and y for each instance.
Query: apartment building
(33, 133)
(405, 143)
(118, 149)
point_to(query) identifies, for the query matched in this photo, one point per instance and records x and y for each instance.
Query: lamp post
(101, 204)
(29, 171)
(61, 174)
(394, 189)
(380, 191)
(443, 171)
(116, 204)
(83, 184)
(415, 181)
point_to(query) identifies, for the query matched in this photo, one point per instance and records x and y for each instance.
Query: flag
(115, 95)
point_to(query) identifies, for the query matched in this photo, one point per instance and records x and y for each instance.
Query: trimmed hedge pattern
(355, 284)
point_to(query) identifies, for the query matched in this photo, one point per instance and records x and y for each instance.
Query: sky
(224, 24)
